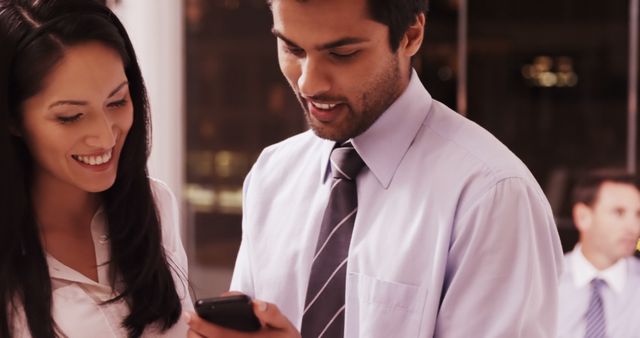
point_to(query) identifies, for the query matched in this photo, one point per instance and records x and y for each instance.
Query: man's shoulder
(484, 156)
(634, 266)
(468, 136)
(633, 278)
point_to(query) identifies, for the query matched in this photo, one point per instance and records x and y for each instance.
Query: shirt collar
(59, 270)
(325, 167)
(583, 271)
(385, 143)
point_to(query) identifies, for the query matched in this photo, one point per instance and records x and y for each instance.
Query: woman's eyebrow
(118, 88)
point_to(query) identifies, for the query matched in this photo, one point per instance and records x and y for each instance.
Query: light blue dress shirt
(620, 298)
(453, 236)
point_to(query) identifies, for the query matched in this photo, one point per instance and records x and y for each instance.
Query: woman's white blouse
(77, 308)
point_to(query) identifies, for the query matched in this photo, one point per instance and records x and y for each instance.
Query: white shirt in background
(620, 297)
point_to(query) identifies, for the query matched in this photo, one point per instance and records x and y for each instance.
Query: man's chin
(327, 132)
(338, 130)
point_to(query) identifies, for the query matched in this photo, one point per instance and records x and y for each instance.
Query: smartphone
(233, 312)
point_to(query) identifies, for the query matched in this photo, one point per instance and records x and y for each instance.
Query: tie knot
(598, 283)
(345, 162)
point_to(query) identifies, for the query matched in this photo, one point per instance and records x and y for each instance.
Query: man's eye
(293, 50)
(69, 118)
(344, 55)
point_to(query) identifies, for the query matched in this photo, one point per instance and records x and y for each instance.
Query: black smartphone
(233, 312)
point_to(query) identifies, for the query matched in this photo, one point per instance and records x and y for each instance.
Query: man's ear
(582, 216)
(412, 39)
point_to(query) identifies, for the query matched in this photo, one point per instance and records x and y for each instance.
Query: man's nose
(314, 79)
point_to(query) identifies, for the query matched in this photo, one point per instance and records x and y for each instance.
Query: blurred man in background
(599, 293)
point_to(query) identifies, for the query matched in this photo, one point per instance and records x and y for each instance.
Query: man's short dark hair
(587, 187)
(398, 15)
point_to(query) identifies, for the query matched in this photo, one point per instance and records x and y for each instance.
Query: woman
(89, 246)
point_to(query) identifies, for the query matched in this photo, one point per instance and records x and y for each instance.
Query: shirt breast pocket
(377, 308)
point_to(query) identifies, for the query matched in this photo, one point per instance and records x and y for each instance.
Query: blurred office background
(555, 80)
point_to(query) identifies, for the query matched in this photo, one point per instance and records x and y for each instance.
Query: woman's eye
(118, 104)
(64, 119)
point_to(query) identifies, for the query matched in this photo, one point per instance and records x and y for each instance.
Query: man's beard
(374, 100)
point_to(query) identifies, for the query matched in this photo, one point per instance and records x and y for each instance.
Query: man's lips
(324, 111)
(323, 106)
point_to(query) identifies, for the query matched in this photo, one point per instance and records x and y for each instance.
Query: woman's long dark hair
(33, 37)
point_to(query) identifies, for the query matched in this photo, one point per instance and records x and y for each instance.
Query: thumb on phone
(271, 317)
(231, 293)
(200, 328)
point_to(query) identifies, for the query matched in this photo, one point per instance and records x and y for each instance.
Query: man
(599, 292)
(393, 216)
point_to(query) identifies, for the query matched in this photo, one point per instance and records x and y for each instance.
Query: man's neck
(599, 261)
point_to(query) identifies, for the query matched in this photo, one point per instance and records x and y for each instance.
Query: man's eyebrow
(343, 42)
(84, 103)
(283, 38)
(329, 45)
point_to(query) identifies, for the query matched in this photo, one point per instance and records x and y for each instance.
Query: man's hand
(274, 325)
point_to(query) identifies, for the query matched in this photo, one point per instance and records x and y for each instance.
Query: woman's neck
(60, 206)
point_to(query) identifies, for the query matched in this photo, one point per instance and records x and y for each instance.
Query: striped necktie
(325, 302)
(594, 317)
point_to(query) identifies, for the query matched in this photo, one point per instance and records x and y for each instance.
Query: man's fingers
(270, 315)
(200, 326)
(275, 324)
(232, 293)
(206, 329)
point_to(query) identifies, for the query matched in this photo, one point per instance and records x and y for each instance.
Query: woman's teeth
(94, 160)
